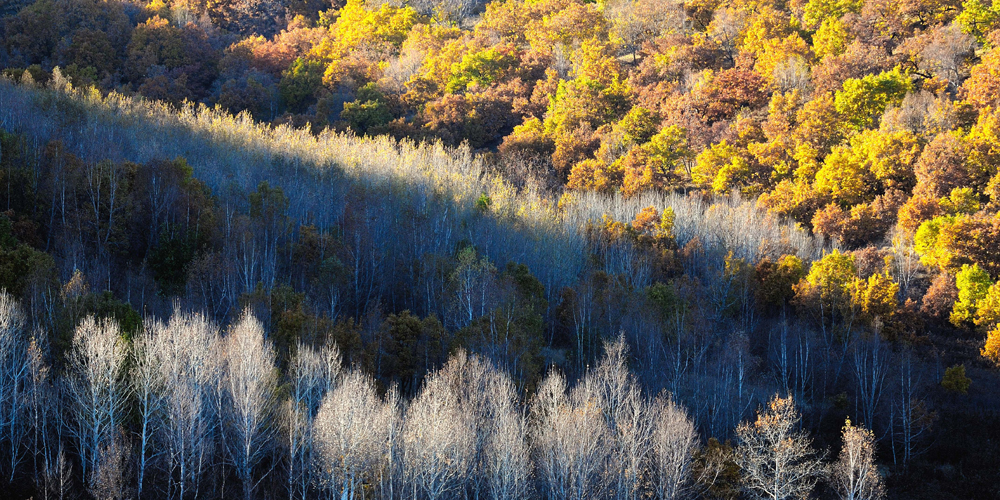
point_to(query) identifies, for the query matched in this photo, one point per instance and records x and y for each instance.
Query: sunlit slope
(412, 199)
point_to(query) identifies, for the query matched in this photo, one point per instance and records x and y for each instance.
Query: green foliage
(369, 110)
(973, 284)
(585, 101)
(826, 291)
(483, 203)
(816, 12)
(102, 305)
(926, 242)
(978, 19)
(988, 308)
(268, 204)
(961, 201)
(410, 347)
(831, 38)
(877, 297)
(640, 125)
(863, 100)
(482, 68)
(777, 280)
(954, 380)
(20, 264)
(670, 147)
(300, 82)
(169, 261)
(665, 301)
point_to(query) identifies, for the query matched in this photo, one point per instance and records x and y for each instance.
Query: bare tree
(855, 476)
(110, 479)
(778, 462)
(352, 431)
(911, 418)
(870, 367)
(96, 389)
(571, 441)
(313, 373)
(438, 441)
(14, 381)
(146, 386)
(42, 402)
(673, 445)
(508, 456)
(626, 414)
(183, 353)
(249, 387)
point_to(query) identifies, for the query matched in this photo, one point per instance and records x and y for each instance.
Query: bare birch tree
(508, 457)
(778, 461)
(626, 414)
(313, 373)
(571, 441)
(14, 382)
(673, 445)
(855, 476)
(249, 389)
(184, 355)
(438, 442)
(871, 363)
(96, 389)
(146, 388)
(352, 432)
(111, 476)
(42, 403)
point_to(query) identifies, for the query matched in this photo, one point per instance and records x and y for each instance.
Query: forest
(507, 249)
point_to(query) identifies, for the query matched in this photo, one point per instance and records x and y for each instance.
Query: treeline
(182, 410)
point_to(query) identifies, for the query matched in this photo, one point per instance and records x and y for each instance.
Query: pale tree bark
(855, 476)
(184, 353)
(15, 375)
(571, 440)
(870, 367)
(96, 389)
(352, 435)
(249, 387)
(313, 373)
(777, 461)
(438, 442)
(673, 446)
(146, 389)
(626, 414)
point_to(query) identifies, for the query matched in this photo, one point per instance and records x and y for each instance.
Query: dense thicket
(426, 219)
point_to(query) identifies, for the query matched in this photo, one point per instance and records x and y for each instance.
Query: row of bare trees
(184, 409)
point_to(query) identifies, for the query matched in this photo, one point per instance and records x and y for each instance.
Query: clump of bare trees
(604, 437)
(183, 410)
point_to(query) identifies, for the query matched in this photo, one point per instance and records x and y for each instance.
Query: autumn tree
(855, 475)
(777, 460)
(863, 100)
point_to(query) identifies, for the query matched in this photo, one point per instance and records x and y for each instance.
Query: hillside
(518, 249)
